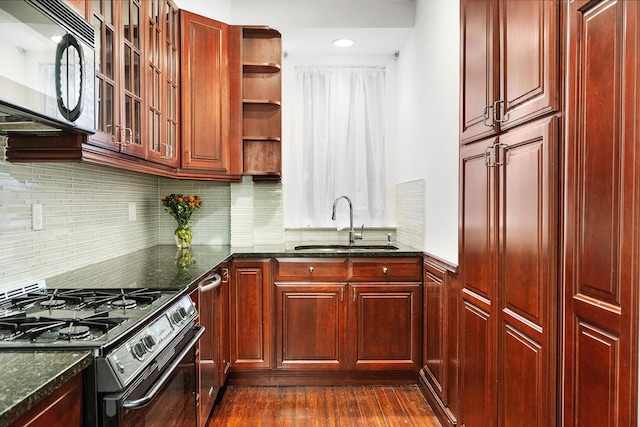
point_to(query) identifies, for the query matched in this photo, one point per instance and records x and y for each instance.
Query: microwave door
(69, 77)
(28, 42)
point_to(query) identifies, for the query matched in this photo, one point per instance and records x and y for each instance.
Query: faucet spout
(352, 236)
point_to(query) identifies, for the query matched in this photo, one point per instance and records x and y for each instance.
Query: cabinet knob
(384, 270)
(311, 269)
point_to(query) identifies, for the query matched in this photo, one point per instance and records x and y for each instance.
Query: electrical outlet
(132, 211)
(36, 216)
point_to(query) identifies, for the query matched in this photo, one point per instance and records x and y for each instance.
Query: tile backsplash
(410, 204)
(86, 216)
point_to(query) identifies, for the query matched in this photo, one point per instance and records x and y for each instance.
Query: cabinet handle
(225, 275)
(216, 282)
(354, 295)
(311, 269)
(486, 116)
(341, 295)
(118, 135)
(188, 153)
(128, 137)
(385, 270)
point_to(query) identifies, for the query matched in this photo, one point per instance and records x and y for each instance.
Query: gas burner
(53, 304)
(124, 303)
(74, 332)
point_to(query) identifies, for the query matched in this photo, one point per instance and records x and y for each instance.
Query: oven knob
(138, 351)
(177, 317)
(183, 312)
(148, 342)
(119, 365)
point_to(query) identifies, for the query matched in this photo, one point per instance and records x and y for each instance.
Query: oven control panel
(141, 348)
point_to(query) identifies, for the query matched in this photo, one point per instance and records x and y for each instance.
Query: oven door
(164, 394)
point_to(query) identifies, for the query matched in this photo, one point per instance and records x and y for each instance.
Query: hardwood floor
(323, 406)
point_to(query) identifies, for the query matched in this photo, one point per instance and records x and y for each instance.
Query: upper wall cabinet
(261, 92)
(162, 59)
(208, 83)
(509, 64)
(119, 76)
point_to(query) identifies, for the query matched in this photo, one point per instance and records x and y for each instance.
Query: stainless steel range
(142, 340)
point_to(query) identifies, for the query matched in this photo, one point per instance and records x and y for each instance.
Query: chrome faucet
(352, 235)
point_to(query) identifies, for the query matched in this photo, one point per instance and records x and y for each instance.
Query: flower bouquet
(181, 208)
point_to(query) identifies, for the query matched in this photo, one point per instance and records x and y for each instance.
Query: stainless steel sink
(337, 248)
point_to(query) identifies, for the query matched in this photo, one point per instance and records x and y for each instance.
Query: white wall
(428, 97)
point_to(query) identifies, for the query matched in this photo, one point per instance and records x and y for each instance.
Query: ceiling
(378, 27)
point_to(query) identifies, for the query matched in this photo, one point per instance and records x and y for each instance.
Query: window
(338, 146)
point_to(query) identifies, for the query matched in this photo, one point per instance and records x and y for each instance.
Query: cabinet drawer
(311, 269)
(386, 269)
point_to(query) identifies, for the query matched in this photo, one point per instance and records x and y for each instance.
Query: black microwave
(47, 72)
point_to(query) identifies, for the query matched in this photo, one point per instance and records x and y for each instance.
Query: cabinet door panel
(310, 326)
(385, 322)
(433, 353)
(478, 76)
(251, 314)
(527, 274)
(601, 244)
(205, 102)
(529, 58)
(476, 376)
(478, 285)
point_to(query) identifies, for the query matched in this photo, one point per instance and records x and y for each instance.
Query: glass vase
(183, 236)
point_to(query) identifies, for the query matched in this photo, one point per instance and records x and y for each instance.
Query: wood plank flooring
(323, 406)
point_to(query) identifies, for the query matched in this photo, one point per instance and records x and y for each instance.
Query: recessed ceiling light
(343, 42)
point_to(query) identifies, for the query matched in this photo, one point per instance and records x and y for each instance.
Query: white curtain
(337, 147)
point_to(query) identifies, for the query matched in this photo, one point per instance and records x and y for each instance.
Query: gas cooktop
(89, 318)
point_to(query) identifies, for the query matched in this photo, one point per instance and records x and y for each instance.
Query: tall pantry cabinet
(508, 221)
(601, 215)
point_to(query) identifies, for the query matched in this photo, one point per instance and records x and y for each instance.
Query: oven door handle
(217, 281)
(139, 403)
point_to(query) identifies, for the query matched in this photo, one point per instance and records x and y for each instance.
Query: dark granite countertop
(27, 377)
(166, 267)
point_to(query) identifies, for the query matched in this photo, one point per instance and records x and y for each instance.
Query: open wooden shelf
(261, 103)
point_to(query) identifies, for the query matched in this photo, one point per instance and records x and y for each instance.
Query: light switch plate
(36, 216)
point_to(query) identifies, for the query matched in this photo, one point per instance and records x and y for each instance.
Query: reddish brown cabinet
(509, 64)
(311, 313)
(62, 408)
(310, 326)
(251, 313)
(261, 102)
(348, 313)
(385, 313)
(439, 372)
(208, 76)
(600, 253)
(119, 76)
(162, 101)
(212, 354)
(508, 218)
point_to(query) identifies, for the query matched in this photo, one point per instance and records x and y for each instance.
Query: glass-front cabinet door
(119, 85)
(162, 56)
